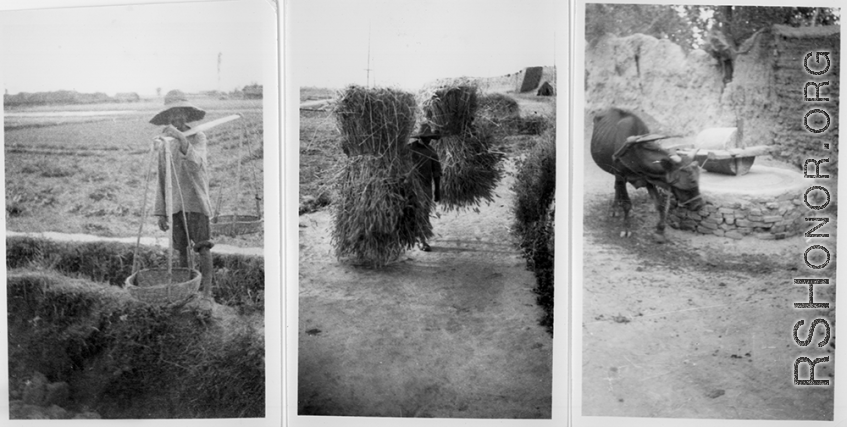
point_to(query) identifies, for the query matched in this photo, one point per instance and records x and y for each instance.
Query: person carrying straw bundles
(190, 182)
(427, 168)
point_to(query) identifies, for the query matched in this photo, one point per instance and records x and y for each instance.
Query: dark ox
(621, 145)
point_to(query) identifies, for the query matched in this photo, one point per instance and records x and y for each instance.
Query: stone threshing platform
(766, 203)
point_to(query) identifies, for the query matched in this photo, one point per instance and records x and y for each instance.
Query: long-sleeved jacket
(190, 178)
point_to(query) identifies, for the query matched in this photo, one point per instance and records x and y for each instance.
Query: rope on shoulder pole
(220, 191)
(254, 182)
(143, 207)
(188, 255)
(238, 182)
(220, 201)
(169, 207)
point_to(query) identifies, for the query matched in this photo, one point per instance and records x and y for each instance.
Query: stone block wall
(765, 218)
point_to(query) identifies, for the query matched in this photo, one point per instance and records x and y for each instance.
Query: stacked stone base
(739, 216)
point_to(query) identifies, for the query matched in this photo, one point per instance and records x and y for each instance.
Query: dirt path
(699, 327)
(449, 333)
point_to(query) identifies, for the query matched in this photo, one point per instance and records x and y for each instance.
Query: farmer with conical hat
(190, 183)
(427, 167)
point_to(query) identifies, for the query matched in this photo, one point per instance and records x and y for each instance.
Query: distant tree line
(252, 91)
(69, 97)
(65, 97)
(691, 26)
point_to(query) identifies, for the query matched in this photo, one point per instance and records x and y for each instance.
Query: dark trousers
(199, 232)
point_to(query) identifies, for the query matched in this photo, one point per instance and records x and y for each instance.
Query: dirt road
(699, 327)
(449, 333)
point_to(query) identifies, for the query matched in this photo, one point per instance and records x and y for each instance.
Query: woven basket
(244, 224)
(151, 286)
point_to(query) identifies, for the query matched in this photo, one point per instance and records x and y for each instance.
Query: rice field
(85, 173)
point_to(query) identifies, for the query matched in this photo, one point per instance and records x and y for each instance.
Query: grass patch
(239, 281)
(309, 93)
(534, 125)
(127, 359)
(320, 153)
(50, 169)
(21, 201)
(105, 192)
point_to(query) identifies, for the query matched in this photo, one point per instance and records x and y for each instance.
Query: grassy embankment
(122, 358)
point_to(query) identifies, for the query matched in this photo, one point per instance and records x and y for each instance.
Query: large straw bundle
(470, 169)
(374, 121)
(380, 209)
(451, 109)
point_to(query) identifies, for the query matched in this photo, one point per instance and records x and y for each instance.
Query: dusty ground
(699, 327)
(449, 333)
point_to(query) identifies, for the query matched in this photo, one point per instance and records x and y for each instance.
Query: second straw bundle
(471, 168)
(381, 209)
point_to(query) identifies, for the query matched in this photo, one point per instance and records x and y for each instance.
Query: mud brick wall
(679, 93)
(674, 92)
(767, 218)
(767, 91)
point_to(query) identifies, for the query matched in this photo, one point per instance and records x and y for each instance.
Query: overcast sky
(135, 48)
(413, 42)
